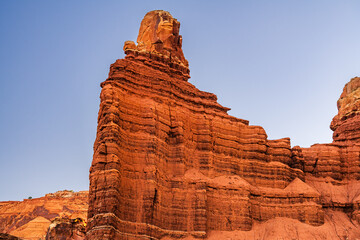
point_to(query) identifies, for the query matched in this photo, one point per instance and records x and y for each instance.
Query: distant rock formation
(334, 169)
(5, 236)
(169, 162)
(31, 218)
(346, 124)
(65, 228)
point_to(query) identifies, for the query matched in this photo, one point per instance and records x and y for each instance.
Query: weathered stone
(169, 160)
(66, 228)
(30, 219)
(5, 236)
(346, 124)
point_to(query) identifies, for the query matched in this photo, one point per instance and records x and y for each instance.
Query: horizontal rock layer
(346, 124)
(333, 160)
(169, 162)
(337, 226)
(153, 128)
(30, 219)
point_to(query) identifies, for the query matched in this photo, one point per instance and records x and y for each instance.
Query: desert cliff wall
(169, 160)
(31, 218)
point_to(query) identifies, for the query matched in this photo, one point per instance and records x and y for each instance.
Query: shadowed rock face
(66, 229)
(169, 162)
(5, 236)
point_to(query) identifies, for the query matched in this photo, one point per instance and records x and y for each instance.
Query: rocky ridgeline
(169, 162)
(31, 218)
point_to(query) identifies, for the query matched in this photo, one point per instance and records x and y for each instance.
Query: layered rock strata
(346, 124)
(31, 218)
(334, 169)
(66, 228)
(169, 160)
(340, 159)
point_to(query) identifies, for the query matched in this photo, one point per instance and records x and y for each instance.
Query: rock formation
(31, 218)
(169, 162)
(340, 159)
(334, 169)
(5, 236)
(346, 124)
(66, 228)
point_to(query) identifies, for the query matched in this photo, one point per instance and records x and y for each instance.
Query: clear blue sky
(278, 64)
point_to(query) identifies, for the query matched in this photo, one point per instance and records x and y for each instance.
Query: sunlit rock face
(340, 159)
(346, 124)
(159, 34)
(169, 162)
(334, 168)
(31, 218)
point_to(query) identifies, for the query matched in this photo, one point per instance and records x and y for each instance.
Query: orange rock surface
(346, 124)
(159, 33)
(169, 162)
(340, 159)
(337, 226)
(5, 236)
(30, 219)
(65, 228)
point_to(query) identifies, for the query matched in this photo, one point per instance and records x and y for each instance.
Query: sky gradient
(279, 64)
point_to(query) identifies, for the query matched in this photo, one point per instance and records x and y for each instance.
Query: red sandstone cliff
(169, 162)
(334, 169)
(31, 218)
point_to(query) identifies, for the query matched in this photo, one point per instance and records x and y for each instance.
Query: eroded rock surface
(334, 169)
(30, 219)
(340, 159)
(5, 236)
(65, 228)
(159, 34)
(346, 124)
(169, 162)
